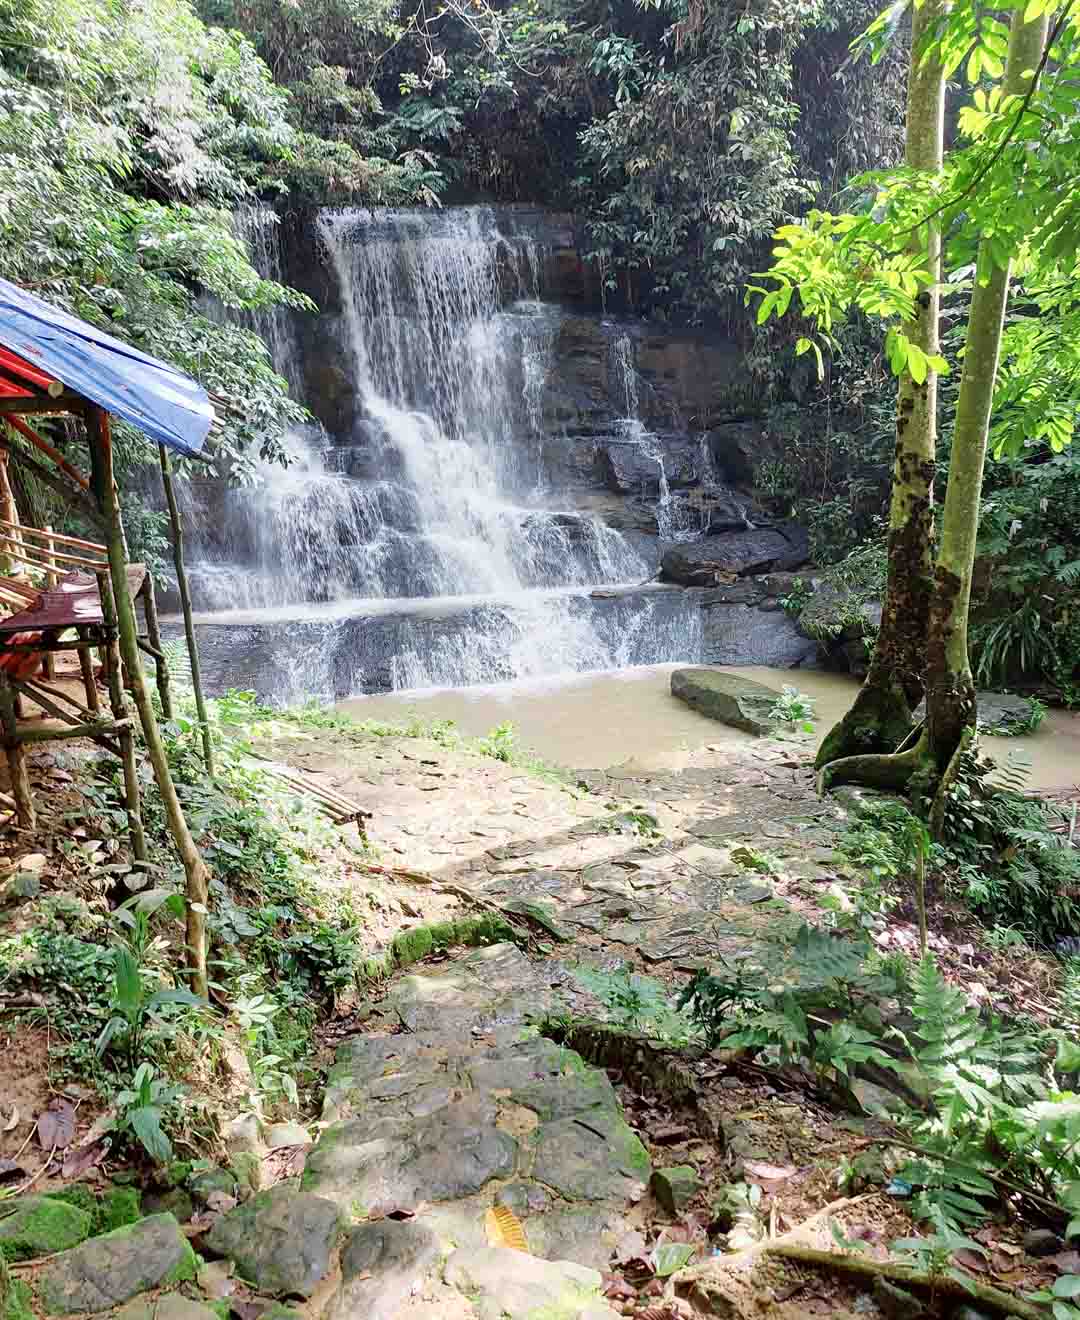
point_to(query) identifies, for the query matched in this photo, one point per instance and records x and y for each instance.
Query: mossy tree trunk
(950, 686)
(880, 718)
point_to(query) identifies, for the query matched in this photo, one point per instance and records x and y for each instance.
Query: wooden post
(115, 682)
(16, 758)
(153, 632)
(86, 665)
(10, 513)
(99, 436)
(48, 663)
(185, 605)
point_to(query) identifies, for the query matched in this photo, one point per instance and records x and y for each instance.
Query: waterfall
(437, 492)
(675, 519)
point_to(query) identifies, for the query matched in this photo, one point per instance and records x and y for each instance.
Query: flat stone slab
(110, 1269)
(729, 698)
(281, 1240)
(591, 1157)
(509, 1285)
(379, 1267)
(442, 1157)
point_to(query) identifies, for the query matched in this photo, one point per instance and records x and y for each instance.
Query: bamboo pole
(153, 633)
(50, 451)
(47, 534)
(97, 424)
(86, 667)
(36, 557)
(96, 729)
(48, 660)
(185, 605)
(115, 682)
(54, 480)
(8, 509)
(16, 757)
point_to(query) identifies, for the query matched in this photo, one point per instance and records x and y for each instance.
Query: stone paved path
(450, 1103)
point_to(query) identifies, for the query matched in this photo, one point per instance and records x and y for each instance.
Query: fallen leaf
(33, 862)
(13, 1121)
(86, 1156)
(1066, 1262)
(199, 1224)
(769, 1172)
(971, 1260)
(616, 1289)
(221, 1202)
(504, 1229)
(671, 1132)
(56, 1125)
(249, 1310)
(10, 1171)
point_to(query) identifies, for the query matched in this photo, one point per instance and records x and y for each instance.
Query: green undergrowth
(1003, 854)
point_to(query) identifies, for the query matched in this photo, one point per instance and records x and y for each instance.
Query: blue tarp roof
(153, 396)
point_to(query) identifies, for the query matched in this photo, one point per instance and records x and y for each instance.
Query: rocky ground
(488, 1146)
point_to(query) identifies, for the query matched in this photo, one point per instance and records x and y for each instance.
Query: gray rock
(563, 1096)
(379, 1266)
(1041, 1242)
(586, 1235)
(281, 1240)
(523, 1198)
(38, 1226)
(706, 562)
(174, 1306)
(110, 1269)
(839, 613)
(441, 1157)
(745, 634)
(509, 1285)
(287, 1134)
(676, 1187)
(729, 698)
(593, 1157)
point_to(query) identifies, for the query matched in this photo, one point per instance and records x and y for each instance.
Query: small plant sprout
(793, 708)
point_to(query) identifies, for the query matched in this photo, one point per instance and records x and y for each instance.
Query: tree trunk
(880, 718)
(194, 867)
(950, 687)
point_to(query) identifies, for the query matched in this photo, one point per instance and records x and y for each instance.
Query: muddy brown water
(594, 721)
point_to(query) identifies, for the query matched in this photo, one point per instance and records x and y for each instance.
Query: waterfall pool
(628, 717)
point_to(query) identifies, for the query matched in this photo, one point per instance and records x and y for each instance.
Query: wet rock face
(715, 559)
(281, 1240)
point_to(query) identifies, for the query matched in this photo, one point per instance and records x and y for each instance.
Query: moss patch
(40, 1226)
(411, 946)
(117, 1208)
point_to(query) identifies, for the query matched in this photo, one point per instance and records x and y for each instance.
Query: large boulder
(108, 1270)
(717, 559)
(281, 1240)
(729, 698)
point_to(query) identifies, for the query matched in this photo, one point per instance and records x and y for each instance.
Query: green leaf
(916, 363)
(146, 1124)
(127, 991)
(1067, 1059)
(1067, 1286)
(671, 1256)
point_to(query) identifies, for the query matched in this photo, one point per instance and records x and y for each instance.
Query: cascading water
(450, 347)
(675, 520)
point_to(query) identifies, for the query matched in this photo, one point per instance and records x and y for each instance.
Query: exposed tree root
(878, 722)
(890, 771)
(906, 1275)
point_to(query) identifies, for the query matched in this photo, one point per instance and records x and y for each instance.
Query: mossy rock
(41, 1226)
(203, 1182)
(729, 698)
(107, 1270)
(15, 1296)
(114, 1209)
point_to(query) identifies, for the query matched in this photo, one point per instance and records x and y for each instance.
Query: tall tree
(880, 718)
(950, 687)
